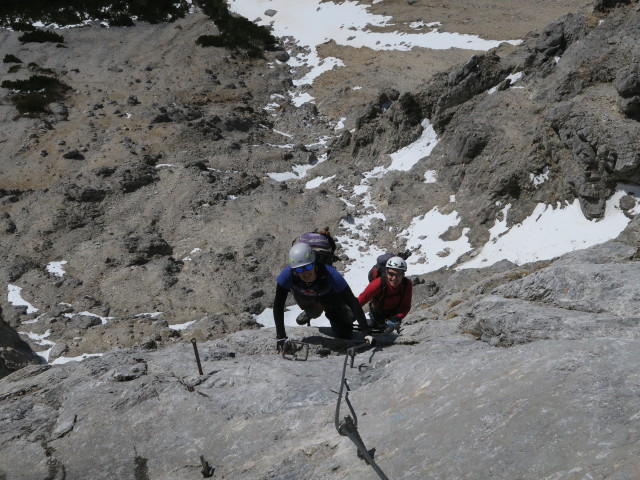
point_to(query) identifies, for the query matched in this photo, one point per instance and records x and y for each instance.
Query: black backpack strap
(383, 287)
(403, 287)
(321, 270)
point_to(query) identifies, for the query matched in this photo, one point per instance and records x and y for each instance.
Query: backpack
(322, 243)
(381, 264)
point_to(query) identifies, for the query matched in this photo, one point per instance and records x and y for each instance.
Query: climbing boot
(304, 319)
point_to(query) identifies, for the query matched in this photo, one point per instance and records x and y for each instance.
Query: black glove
(280, 344)
(404, 255)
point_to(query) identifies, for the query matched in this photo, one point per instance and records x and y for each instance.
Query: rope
(349, 426)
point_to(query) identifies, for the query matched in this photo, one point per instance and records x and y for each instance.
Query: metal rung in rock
(295, 350)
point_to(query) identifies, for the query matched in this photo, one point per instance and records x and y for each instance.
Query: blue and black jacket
(330, 290)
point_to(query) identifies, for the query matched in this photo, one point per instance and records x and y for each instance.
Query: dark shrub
(214, 9)
(14, 68)
(242, 33)
(32, 102)
(155, 11)
(35, 82)
(45, 71)
(63, 16)
(16, 13)
(40, 36)
(34, 67)
(210, 41)
(8, 58)
(35, 93)
(22, 27)
(120, 19)
(235, 31)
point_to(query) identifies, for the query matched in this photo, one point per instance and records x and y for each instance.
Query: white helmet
(397, 263)
(300, 255)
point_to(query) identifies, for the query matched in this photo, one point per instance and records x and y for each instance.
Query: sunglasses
(394, 274)
(301, 269)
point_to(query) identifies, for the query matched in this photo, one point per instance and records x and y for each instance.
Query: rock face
(15, 353)
(539, 306)
(568, 115)
(154, 183)
(435, 402)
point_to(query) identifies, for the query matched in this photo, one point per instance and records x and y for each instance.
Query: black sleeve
(351, 300)
(278, 310)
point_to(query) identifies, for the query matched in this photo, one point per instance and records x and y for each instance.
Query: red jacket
(395, 302)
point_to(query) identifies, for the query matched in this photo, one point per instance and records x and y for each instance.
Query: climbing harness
(291, 349)
(348, 426)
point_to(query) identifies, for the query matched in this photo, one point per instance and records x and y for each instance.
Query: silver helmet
(300, 255)
(397, 263)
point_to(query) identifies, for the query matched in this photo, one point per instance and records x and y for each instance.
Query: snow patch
(316, 182)
(181, 326)
(56, 268)
(14, 297)
(539, 179)
(430, 176)
(551, 231)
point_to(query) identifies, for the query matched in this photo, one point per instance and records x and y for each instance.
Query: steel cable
(349, 426)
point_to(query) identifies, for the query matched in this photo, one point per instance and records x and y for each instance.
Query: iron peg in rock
(206, 471)
(195, 350)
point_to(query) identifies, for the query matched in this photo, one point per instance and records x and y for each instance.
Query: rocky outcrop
(434, 401)
(15, 353)
(583, 294)
(504, 118)
(628, 86)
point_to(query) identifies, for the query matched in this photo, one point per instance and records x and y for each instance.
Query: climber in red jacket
(389, 295)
